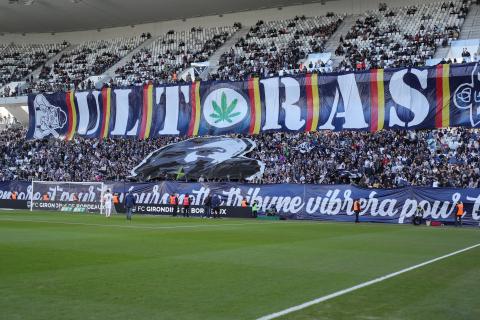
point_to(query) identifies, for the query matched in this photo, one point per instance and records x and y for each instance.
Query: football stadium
(260, 160)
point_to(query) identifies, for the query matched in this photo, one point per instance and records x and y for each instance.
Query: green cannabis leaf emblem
(224, 111)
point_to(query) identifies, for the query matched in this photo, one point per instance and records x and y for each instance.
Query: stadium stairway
(214, 59)
(471, 26)
(333, 42)
(110, 73)
(441, 52)
(50, 61)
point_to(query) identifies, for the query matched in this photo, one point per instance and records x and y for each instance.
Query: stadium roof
(32, 16)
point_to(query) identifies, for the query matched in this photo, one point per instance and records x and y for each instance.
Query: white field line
(361, 285)
(131, 226)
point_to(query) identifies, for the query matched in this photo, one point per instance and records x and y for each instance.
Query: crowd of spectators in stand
(170, 55)
(442, 158)
(17, 61)
(73, 69)
(401, 37)
(384, 38)
(276, 47)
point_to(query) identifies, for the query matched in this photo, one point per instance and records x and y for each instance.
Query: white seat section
(171, 54)
(17, 61)
(89, 58)
(405, 36)
(274, 46)
(387, 37)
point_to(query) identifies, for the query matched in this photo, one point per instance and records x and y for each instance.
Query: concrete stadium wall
(247, 18)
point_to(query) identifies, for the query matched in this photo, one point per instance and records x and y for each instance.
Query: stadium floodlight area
(69, 196)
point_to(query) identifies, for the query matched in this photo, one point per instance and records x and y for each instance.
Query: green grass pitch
(73, 266)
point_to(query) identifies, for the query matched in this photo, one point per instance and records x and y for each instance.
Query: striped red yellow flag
(377, 100)
(72, 115)
(195, 116)
(442, 110)
(255, 105)
(313, 102)
(147, 112)
(106, 99)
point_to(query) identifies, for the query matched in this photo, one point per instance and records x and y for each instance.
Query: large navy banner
(320, 202)
(409, 98)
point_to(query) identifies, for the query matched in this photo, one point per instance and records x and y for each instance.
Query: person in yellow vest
(45, 197)
(244, 203)
(186, 205)
(255, 209)
(116, 199)
(459, 213)
(173, 201)
(14, 195)
(357, 208)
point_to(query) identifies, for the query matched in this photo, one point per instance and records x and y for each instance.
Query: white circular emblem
(224, 108)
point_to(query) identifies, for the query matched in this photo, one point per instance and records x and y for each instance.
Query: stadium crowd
(166, 59)
(400, 37)
(73, 69)
(17, 61)
(442, 158)
(383, 38)
(271, 48)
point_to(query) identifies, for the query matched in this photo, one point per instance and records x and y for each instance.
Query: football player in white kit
(108, 199)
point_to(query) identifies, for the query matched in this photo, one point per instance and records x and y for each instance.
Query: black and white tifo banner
(211, 157)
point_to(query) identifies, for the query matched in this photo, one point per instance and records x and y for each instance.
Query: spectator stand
(445, 158)
(108, 77)
(332, 44)
(19, 61)
(274, 46)
(170, 55)
(405, 36)
(74, 67)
